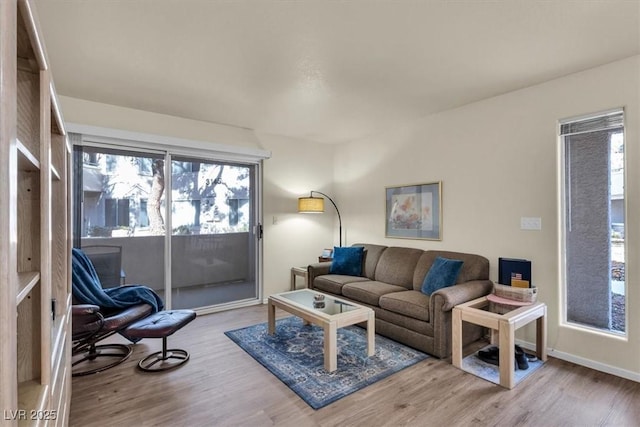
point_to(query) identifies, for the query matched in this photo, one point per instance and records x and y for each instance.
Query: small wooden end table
(503, 327)
(300, 272)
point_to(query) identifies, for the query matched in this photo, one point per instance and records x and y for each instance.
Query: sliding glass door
(213, 248)
(182, 225)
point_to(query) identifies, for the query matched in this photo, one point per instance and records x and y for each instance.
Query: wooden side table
(300, 272)
(503, 327)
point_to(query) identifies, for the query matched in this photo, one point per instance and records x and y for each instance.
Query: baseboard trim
(592, 364)
(227, 306)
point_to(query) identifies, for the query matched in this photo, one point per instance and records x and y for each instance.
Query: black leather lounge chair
(99, 313)
(135, 312)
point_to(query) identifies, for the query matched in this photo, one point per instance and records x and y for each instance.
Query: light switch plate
(531, 223)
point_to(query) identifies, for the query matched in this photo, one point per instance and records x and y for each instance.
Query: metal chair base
(96, 353)
(164, 359)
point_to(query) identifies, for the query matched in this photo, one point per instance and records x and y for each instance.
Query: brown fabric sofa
(390, 284)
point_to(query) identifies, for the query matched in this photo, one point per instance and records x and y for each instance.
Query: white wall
(498, 161)
(295, 168)
(90, 113)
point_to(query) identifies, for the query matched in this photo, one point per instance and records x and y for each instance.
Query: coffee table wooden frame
(329, 322)
(502, 325)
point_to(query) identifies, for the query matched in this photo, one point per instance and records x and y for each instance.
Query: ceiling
(326, 71)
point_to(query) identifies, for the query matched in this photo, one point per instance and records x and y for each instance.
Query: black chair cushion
(160, 324)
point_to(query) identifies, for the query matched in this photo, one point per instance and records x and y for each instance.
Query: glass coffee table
(326, 311)
(503, 327)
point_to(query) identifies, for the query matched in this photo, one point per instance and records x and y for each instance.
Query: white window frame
(562, 206)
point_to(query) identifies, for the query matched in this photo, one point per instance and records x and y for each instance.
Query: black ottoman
(161, 325)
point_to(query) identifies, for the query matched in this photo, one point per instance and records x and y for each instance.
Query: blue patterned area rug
(295, 355)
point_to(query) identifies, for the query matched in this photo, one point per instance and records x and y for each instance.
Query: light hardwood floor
(223, 386)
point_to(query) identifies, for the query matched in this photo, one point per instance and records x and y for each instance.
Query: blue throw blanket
(88, 290)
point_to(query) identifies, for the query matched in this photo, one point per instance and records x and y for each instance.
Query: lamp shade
(310, 204)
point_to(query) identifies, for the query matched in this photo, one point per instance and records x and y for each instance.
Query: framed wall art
(414, 211)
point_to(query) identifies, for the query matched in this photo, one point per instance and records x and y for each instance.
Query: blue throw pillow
(443, 272)
(347, 260)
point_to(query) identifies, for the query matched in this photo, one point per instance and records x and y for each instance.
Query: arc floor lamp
(316, 205)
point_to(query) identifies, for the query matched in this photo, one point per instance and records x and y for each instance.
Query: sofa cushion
(333, 283)
(396, 266)
(347, 260)
(371, 256)
(443, 273)
(408, 303)
(369, 292)
(475, 267)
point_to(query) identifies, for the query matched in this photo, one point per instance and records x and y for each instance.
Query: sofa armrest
(440, 305)
(458, 294)
(315, 270)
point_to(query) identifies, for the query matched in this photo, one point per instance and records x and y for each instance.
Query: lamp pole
(334, 205)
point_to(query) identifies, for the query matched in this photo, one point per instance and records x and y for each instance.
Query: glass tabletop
(320, 302)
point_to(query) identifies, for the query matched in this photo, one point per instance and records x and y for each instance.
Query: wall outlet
(275, 220)
(531, 223)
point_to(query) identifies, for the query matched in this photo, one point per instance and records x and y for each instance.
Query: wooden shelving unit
(35, 222)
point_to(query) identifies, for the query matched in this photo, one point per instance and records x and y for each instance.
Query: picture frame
(327, 253)
(414, 211)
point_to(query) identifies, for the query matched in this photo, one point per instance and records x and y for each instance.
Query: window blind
(604, 122)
